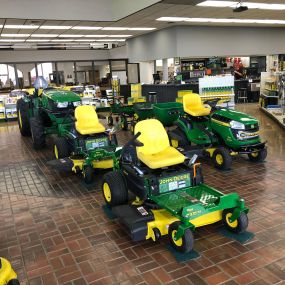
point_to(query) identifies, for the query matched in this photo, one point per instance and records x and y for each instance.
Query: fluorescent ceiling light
(96, 36)
(15, 35)
(62, 40)
(141, 29)
(44, 35)
(55, 27)
(1, 26)
(171, 19)
(32, 27)
(85, 40)
(11, 40)
(113, 40)
(87, 28)
(114, 29)
(220, 20)
(70, 36)
(36, 41)
(119, 36)
(250, 5)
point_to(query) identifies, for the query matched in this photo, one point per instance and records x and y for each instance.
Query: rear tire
(13, 282)
(61, 148)
(183, 142)
(258, 156)
(110, 120)
(238, 226)
(222, 158)
(114, 189)
(38, 133)
(23, 118)
(185, 243)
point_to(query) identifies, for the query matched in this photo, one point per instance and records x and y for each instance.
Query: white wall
(202, 41)
(119, 52)
(146, 72)
(67, 68)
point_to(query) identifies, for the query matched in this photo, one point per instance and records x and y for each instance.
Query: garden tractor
(171, 198)
(217, 132)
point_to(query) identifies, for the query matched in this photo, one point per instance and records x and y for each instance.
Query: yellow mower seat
(192, 105)
(156, 151)
(87, 122)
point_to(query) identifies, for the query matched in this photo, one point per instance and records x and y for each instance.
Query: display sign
(97, 142)
(172, 183)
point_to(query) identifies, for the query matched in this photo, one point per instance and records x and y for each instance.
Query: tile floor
(54, 230)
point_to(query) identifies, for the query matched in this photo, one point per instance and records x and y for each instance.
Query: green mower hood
(236, 116)
(60, 96)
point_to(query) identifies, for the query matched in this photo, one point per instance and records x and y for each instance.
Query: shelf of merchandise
(273, 113)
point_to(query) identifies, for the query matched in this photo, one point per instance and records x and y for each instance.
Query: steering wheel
(212, 102)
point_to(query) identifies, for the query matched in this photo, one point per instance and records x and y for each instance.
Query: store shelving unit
(218, 87)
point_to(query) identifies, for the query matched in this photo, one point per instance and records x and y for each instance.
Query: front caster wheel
(258, 156)
(88, 174)
(185, 243)
(239, 225)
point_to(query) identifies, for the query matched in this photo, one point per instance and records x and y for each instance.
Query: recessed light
(15, 35)
(44, 35)
(87, 28)
(32, 27)
(70, 36)
(114, 29)
(85, 40)
(55, 27)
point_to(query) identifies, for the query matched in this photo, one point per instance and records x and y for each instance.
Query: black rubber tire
(187, 239)
(110, 121)
(88, 174)
(23, 112)
(62, 146)
(13, 282)
(118, 189)
(242, 222)
(184, 141)
(262, 154)
(38, 133)
(227, 159)
(132, 127)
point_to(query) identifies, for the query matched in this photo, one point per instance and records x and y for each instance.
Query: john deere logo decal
(174, 183)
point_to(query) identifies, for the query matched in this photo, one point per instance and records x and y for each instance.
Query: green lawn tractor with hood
(46, 112)
(171, 198)
(217, 132)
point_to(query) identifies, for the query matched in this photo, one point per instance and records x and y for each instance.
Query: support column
(36, 68)
(16, 77)
(165, 69)
(57, 75)
(75, 73)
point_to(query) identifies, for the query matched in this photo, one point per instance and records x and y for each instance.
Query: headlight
(78, 103)
(237, 125)
(62, 104)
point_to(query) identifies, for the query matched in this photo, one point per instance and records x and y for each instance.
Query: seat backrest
(86, 117)
(192, 101)
(153, 136)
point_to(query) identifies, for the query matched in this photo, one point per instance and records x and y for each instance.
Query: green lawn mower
(217, 132)
(171, 198)
(7, 274)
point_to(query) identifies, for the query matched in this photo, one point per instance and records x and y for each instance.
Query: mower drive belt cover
(63, 164)
(135, 218)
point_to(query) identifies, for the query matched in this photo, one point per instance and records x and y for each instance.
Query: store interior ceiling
(36, 29)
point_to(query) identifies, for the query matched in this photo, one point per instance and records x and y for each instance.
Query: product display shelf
(276, 114)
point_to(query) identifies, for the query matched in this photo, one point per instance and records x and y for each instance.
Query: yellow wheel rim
(107, 192)
(55, 152)
(176, 242)
(20, 119)
(174, 143)
(219, 159)
(233, 224)
(254, 154)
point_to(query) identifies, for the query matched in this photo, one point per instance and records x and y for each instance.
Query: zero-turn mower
(171, 198)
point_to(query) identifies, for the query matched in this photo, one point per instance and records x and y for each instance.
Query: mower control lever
(193, 160)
